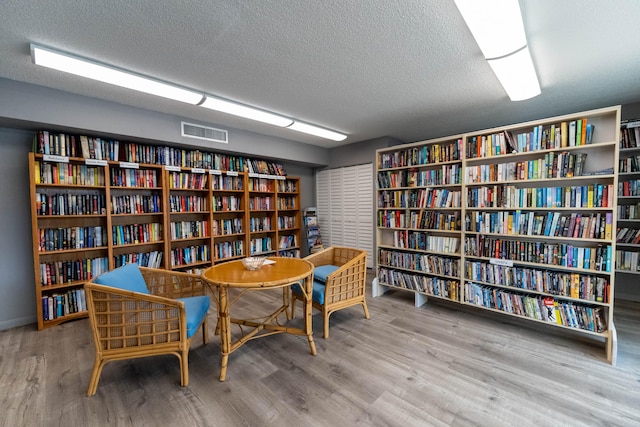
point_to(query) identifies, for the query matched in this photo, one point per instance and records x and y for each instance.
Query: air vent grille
(206, 133)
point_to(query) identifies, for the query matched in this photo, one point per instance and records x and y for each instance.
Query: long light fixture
(317, 131)
(497, 27)
(245, 111)
(105, 73)
(83, 67)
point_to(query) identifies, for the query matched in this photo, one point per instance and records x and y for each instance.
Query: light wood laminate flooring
(437, 365)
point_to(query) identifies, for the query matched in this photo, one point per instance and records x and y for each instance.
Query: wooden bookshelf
(157, 206)
(527, 230)
(628, 232)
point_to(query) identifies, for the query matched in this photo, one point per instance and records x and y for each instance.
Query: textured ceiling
(407, 69)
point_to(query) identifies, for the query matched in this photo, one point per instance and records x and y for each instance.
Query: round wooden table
(282, 273)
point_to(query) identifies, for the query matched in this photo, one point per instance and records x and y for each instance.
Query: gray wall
(17, 304)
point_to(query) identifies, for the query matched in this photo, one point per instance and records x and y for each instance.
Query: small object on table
(253, 262)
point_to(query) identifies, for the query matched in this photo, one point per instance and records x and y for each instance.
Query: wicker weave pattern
(129, 324)
(346, 286)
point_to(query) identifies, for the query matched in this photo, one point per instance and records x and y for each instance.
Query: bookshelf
(628, 232)
(289, 219)
(312, 230)
(97, 204)
(527, 231)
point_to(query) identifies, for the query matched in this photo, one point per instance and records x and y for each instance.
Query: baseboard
(14, 323)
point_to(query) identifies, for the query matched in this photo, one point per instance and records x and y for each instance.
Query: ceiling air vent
(191, 130)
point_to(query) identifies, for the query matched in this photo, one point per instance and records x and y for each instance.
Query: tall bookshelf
(532, 233)
(628, 235)
(98, 204)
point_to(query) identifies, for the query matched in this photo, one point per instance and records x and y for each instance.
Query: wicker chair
(339, 281)
(138, 312)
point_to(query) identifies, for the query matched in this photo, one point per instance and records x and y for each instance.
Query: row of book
(63, 304)
(426, 263)
(139, 178)
(189, 229)
(597, 258)
(187, 180)
(423, 220)
(509, 196)
(432, 285)
(286, 222)
(232, 249)
(573, 285)
(450, 174)
(223, 227)
(419, 198)
(259, 245)
(130, 204)
(68, 174)
(286, 203)
(261, 185)
(260, 223)
(261, 203)
(289, 241)
(427, 154)
(151, 259)
(629, 164)
(408, 239)
(64, 238)
(287, 186)
(630, 135)
(87, 147)
(552, 165)
(190, 255)
(629, 211)
(70, 204)
(574, 315)
(227, 183)
(59, 272)
(130, 234)
(592, 226)
(187, 203)
(627, 235)
(227, 203)
(627, 260)
(629, 188)
(290, 253)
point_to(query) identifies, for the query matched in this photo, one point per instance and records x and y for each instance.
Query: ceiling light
(317, 131)
(497, 27)
(68, 63)
(245, 111)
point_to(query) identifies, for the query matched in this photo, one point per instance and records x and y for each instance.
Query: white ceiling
(407, 69)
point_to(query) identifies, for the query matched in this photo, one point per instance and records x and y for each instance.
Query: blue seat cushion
(196, 309)
(318, 291)
(128, 277)
(321, 272)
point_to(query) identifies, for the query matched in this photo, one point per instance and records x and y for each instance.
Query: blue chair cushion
(196, 309)
(128, 277)
(321, 272)
(317, 294)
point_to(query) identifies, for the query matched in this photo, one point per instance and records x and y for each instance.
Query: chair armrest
(173, 284)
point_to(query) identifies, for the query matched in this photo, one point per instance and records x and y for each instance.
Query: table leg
(225, 329)
(308, 307)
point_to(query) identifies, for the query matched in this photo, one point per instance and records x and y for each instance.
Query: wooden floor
(406, 366)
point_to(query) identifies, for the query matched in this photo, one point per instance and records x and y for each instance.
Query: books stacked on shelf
(408, 239)
(550, 166)
(432, 285)
(66, 238)
(70, 203)
(189, 229)
(261, 223)
(63, 304)
(134, 204)
(151, 259)
(627, 260)
(222, 227)
(260, 245)
(449, 174)
(427, 263)
(195, 254)
(227, 250)
(420, 156)
(131, 234)
(227, 182)
(566, 313)
(630, 135)
(264, 167)
(287, 242)
(60, 272)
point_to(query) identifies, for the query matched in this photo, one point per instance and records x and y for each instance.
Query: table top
(282, 272)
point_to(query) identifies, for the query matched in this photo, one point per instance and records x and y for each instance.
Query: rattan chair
(138, 312)
(339, 281)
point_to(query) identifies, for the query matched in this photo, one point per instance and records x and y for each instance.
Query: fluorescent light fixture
(317, 131)
(497, 27)
(72, 64)
(517, 75)
(245, 111)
